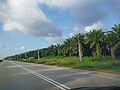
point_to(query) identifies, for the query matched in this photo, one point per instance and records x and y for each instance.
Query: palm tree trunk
(70, 51)
(112, 52)
(98, 50)
(79, 49)
(113, 49)
(58, 52)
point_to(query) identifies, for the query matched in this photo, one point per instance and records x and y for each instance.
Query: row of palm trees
(95, 43)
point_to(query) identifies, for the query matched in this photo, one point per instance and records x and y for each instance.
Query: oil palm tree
(78, 44)
(114, 38)
(95, 39)
(68, 46)
(58, 49)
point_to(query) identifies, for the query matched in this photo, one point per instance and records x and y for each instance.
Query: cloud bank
(97, 25)
(76, 30)
(27, 17)
(87, 12)
(55, 40)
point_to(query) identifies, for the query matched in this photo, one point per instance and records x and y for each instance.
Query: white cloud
(22, 48)
(97, 25)
(27, 17)
(55, 40)
(76, 30)
(86, 12)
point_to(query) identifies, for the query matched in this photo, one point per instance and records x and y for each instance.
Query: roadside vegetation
(104, 64)
(97, 50)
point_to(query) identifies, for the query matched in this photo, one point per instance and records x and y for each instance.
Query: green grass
(89, 63)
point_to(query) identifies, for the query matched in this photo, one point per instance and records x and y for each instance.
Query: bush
(1, 60)
(31, 58)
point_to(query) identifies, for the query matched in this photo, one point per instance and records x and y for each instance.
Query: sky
(30, 24)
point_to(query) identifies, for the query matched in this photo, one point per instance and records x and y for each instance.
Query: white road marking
(48, 70)
(29, 65)
(62, 86)
(57, 84)
(11, 66)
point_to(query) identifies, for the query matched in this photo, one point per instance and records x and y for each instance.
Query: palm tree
(78, 44)
(95, 39)
(68, 46)
(114, 38)
(58, 47)
(52, 50)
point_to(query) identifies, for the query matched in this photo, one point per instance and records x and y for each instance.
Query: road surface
(27, 76)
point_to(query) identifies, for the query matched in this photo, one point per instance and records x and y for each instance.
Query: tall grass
(89, 63)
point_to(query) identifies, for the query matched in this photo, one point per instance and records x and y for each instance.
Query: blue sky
(30, 24)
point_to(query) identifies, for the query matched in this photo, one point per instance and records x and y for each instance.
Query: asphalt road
(27, 76)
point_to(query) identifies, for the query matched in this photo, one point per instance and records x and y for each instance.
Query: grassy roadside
(105, 64)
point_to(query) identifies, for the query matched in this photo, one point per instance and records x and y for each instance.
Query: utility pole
(80, 57)
(38, 54)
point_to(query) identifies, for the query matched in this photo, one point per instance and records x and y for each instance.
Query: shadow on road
(97, 88)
